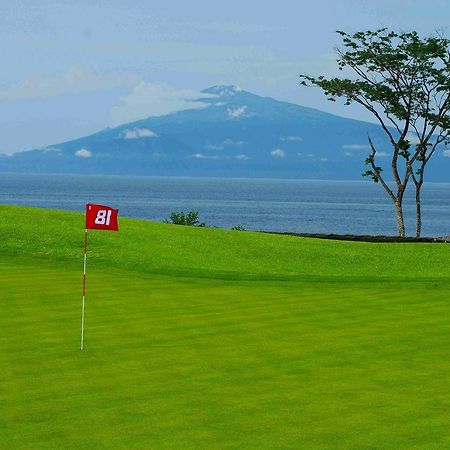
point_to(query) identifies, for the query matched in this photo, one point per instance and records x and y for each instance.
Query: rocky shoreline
(365, 238)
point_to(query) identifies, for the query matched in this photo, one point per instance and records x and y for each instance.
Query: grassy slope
(165, 249)
(247, 354)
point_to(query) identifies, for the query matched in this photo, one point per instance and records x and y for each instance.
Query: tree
(404, 81)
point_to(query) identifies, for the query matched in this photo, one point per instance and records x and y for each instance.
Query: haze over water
(303, 206)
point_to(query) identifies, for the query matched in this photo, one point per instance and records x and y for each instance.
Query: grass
(205, 338)
(160, 248)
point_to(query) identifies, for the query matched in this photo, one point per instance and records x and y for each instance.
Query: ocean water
(303, 206)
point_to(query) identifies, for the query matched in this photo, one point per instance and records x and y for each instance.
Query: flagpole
(84, 289)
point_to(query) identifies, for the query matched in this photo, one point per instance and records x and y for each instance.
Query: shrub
(189, 219)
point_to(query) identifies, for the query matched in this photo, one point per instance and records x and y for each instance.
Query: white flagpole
(84, 290)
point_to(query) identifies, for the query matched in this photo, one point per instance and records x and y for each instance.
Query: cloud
(446, 153)
(378, 154)
(198, 156)
(213, 147)
(78, 78)
(278, 153)
(203, 156)
(324, 159)
(155, 99)
(83, 153)
(236, 112)
(291, 138)
(242, 157)
(355, 146)
(231, 142)
(242, 63)
(136, 133)
(222, 90)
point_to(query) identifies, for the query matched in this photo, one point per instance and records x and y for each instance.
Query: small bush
(190, 219)
(238, 228)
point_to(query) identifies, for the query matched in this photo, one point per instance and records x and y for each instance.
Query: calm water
(356, 207)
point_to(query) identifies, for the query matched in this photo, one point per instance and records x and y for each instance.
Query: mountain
(235, 133)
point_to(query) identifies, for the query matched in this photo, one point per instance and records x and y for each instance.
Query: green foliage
(238, 228)
(401, 78)
(189, 219)
(375, 171)
(403, 147)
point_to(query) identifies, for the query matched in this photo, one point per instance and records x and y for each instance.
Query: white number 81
(103, 217)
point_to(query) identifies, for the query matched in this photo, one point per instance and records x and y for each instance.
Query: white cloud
(224, 90)
(355, 147)
(83, 153)
(446, 153)
(242, 157)
(324, 159)
(136, 133)
(291, 138)
(279, 153)
(236, 112)
(78, 78)
(213, 147)
(154, 99)
(378, 154)
(203, 156)
(231, 142)
(198, 156)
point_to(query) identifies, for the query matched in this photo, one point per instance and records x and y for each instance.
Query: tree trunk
(418, 211)
(399, 216)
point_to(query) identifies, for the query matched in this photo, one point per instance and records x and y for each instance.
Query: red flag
(100, 217)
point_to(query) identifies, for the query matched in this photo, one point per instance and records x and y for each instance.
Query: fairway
(205, 338)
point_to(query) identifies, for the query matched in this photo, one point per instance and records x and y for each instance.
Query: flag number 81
(103, 217)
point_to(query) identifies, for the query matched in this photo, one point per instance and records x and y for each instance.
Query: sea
(300, 206)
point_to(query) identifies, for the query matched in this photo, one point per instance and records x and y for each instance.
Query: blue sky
(71, 68)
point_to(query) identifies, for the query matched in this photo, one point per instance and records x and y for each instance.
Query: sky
(71, 68)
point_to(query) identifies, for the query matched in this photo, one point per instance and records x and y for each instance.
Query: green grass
(213, 253)
(206, 338)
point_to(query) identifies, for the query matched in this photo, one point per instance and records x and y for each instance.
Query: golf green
(206, 338)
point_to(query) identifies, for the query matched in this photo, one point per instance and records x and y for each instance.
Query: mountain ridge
(232, 133)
